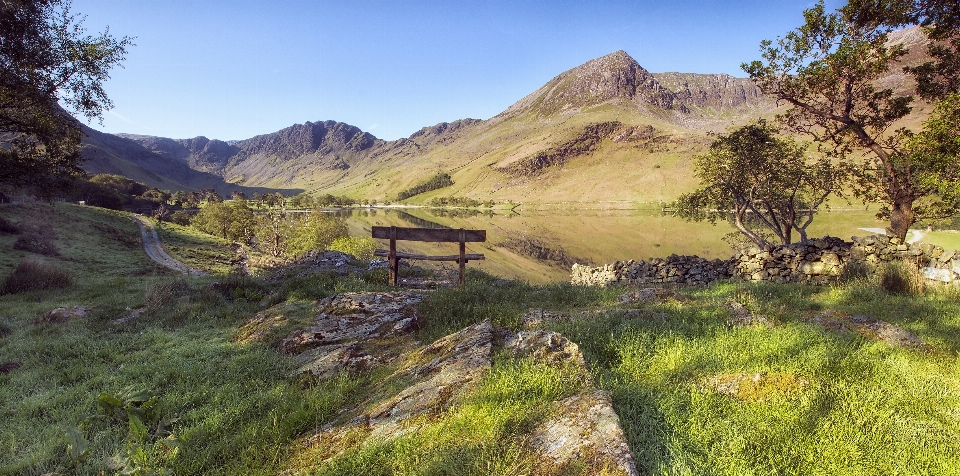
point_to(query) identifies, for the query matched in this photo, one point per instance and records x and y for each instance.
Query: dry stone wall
(818, 261)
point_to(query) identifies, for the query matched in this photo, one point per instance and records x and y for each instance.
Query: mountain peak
(608, 78)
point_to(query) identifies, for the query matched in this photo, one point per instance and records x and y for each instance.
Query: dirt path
(151, 244)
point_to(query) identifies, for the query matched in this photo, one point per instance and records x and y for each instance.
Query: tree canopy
(49, 67)
(762, 183)
(827, 71)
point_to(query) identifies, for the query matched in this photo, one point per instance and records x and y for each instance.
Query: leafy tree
(939, 77)
(274, 230)
(48, 59)
(302, 200)
(317, 232)
(231, 221)
(827, 71)
(763, 184)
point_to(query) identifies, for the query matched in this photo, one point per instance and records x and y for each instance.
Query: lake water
(541, 245)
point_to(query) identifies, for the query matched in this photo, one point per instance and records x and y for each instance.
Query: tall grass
(32, 275)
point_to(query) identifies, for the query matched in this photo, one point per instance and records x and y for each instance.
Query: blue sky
(235, 69)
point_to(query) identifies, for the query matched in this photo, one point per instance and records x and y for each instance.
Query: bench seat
(402, 255)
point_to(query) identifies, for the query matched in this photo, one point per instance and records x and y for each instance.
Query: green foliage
(232, 220)
(316, 232)
(360, 248)
(827, 70)
(181, 218)
(35, 275)
(274, 230)
(761, 183)
(48, 60)
(456, 202)
(438, 181)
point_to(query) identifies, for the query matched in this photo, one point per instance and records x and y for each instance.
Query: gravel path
(151, 244)
(914, 236)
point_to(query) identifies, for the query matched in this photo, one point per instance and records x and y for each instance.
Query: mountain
(605, 131)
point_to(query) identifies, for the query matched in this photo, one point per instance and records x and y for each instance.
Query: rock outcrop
(357, 332)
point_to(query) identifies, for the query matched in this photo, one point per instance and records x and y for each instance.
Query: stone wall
(818, 261)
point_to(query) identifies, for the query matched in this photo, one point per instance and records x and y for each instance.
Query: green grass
(830, 403)
(195, 248)
(949, 240)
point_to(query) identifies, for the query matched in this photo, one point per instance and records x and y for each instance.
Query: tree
(940, 76)
(763, 184)
(274, 230)
(826, 70)
(231, 221)
(317, 232)
(47, 59)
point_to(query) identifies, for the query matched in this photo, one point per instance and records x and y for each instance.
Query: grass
(812, 401)
(195, 248)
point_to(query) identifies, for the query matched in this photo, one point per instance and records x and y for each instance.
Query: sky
(234, 69)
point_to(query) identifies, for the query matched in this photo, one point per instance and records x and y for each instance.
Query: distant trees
(763, 184)
(438, 181)
(47, 60)
(827, 70)
(232, 220)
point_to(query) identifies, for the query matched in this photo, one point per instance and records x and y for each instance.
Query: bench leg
(394, 261)
(463, 257)
(394, 271)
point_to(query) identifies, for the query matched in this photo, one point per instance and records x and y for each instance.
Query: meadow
(175, 391)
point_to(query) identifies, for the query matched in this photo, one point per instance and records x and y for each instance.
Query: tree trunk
(902, 217)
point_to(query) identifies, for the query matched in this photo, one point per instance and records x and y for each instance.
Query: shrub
(37, 239)
(167, 291)
(9, 227)
(33, 276)
(901, 278)
(360, 248)
(181, 218)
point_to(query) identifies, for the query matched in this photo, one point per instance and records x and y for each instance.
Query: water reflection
(541, 246)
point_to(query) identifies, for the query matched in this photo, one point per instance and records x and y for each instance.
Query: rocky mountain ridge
(520, 154)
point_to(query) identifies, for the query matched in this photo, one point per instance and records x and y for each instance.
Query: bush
(360, 248)
(166, 292)
(7, 226)
(37, 240)
(181, 218)
(34, 276)
(901, 278)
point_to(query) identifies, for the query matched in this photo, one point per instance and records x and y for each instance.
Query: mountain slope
(605, 131)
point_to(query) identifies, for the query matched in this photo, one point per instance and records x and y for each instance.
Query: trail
(916, 235)
(151, 244)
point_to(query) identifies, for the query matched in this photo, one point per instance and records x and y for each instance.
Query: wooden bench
(432, 235)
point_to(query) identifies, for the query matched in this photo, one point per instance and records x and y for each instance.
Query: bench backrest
(435, 235)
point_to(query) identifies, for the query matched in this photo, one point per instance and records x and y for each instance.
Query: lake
(541, 245)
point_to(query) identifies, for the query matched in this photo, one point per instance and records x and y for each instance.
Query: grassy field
(175, 391)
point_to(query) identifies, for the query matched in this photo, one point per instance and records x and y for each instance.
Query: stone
(755, 386)
(830, 259)
(650, 296)
(456, 363)
(350, 317)
(869, 327)
(586, 429)
(64, 314)
(741, 316)
(545, 346)
(947, 256)
(938, 274)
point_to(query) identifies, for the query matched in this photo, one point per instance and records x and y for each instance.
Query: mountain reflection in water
(541, 246)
